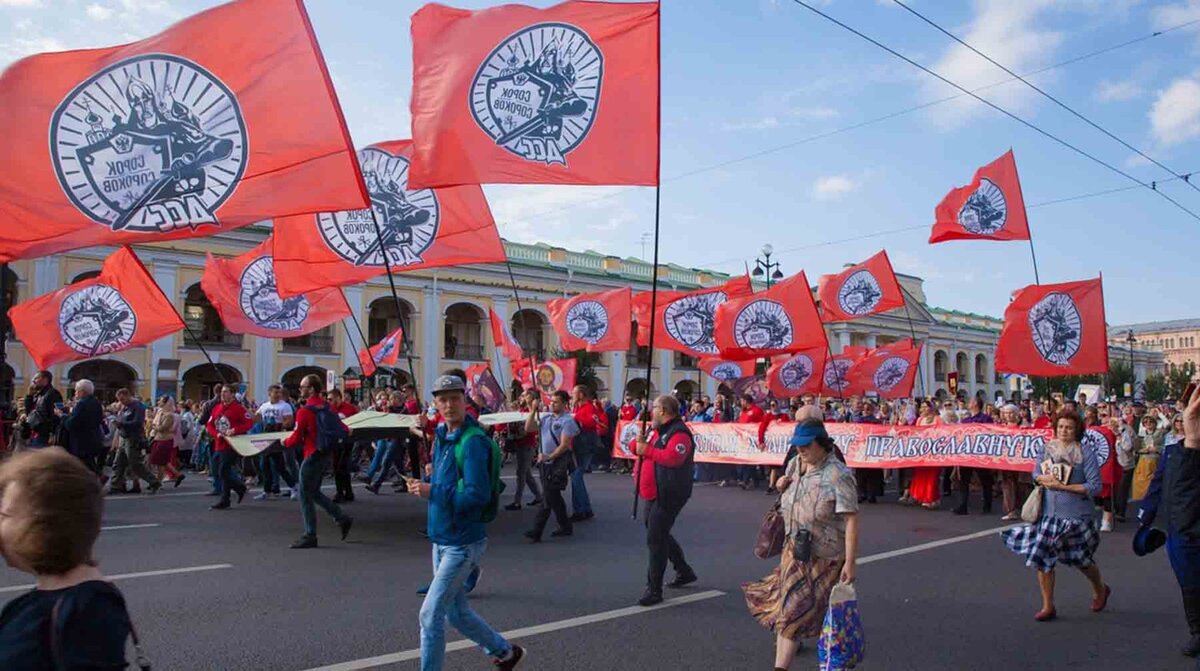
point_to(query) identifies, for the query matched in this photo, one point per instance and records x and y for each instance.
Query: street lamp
(763, 267)
(1131, 341)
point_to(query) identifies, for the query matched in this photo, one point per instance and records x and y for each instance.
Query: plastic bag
(842, 644)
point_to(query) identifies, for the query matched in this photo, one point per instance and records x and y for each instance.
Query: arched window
(962, 364)
(205, 324)
(107, 375)
(464, 333)
(529, 328)
(10, 282)
(941, 365)
(382, 319)
(981, 375)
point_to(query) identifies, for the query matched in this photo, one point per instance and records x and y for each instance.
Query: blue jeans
(226, 479)
(310, 493)
(381, 448)
(580, 503)
(447, 600)
(389, 452)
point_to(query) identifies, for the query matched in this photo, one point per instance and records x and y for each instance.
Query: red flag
(684, 320)
(798, 374)
(503, 338)
(991, 207)
(835, 381)
(549, 377)
(596, 322)
(889, 371)
(483, 388)
(755, 385)
(727, 371)
(225, 119)
(1054, 329)
(780, 320)
(421, 228)
(242, 290)
(864, 289)
(518, 95)
(384, 353)
(115, 311)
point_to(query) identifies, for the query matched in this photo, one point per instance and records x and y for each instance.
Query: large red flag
(384, 353)
(860, 290)
(519, 95)
(798, 374)
(889, 371)
(421, 228)
(835, 381)
(549, 377)
(991, 207)
(780, 320)
(684, 321)
(727, 371)
(1054, 329)
(596, 322)
(504, 340)
(483, 388)
(225, 119)
(119, 309)
(242, 290)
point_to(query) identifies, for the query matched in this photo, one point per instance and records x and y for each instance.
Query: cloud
(832, 187)
(1169, 16)
(20, 3)
(1108, 91)
(1013, 34)
(791, 117)
(575, 217)
(99, 12)
(1175, 115)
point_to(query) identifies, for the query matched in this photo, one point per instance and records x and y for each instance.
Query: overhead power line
(1049, 97)
(998, 108)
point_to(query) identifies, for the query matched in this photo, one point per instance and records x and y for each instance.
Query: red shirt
(232, 417)
(672, 456)
(1042, 422)
(752, 416)
(628, 412)
(411, 407)
(344, 409)
(585, 417)
(306, 427)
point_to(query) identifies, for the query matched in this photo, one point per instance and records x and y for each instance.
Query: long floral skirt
(792, 599)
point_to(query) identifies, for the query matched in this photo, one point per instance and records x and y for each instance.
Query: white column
(665, 360)
(616, 376)
(925, 380)
(430, 361)
(350, 344)
(45, 275)
(165, 275)
(263, 365)
(871, 342)
(843, 341)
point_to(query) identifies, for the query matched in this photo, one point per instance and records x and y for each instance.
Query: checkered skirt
(1054, 539)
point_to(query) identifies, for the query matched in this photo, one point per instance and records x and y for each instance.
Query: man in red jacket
(229, 418)
(313, 466)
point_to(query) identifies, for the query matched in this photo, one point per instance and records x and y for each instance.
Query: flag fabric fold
(520, 95)
(835, 380)
(726, 371)
(889, 371)
(484, 389)
(1055, 329)
(863, 289)
(242, 290)
(797, 374)
(597, 322)
(417, 228)
(504, 340)
(684, 320)
(384, 353)
(120, 309)
(779, 320)
(213, 124)
(991, 207)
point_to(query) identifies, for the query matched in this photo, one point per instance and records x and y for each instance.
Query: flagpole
(520, 315)
(1033, 255)
(387, 264)
(361, 336)
(920, 368)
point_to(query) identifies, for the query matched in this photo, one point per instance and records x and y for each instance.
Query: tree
(1179, 377)
(585, 366)
(1157, 387)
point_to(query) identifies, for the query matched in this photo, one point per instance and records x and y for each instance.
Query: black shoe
(987, 510)
(518, 653)
(582, 517)
(179, 480)
(338, 498)
(559, 533)
(683, 580)
(650, 598)
(513, 506)
(533, 536)
(536, 502)
(241, 493)
(304, 542)
(348, 498)
(872, 499)
(960, 511)
(345, 525)
(374, 489)
(224, 505)
(136, 490)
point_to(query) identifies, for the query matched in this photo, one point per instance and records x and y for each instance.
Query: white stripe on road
(407, 655)
(143, 574)
(934, 544)
(148, 497)
(129, 526)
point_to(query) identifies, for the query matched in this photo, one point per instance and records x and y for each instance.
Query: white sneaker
(265, 496)
(295, 495)
(1106, 525)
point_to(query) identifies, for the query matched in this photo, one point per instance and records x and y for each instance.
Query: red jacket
(752, 416)
(234, 417)
(345, 409)
(306, 427)
(585, 417)
(671, 456)
(628, 412)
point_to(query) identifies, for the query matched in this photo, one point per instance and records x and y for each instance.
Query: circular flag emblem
(261, 303)
(986, 211)
(726, 371)
(690, 320)
(386, 348)
(890, 373)
(835, 375)
(763, 324)
(795, 373)
(1056, 328)
(408, 220)
(96, 320)
(1095, 441)
(588, 321)
(153, 143)
(536, 93)
(549, 378)
(860, 293)
(629, 434)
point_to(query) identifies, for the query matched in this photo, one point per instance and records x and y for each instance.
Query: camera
(802, 545)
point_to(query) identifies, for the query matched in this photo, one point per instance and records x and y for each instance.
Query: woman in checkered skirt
(1067, 531)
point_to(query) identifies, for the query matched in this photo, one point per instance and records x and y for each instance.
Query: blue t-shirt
(554, 429)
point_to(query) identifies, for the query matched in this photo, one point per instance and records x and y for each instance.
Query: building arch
(200, 381)
(529, 327)
(9, 284)
(687, 391)
(962, 364)
(941, 365)
(636, 388)
(383, 319)
(291, 379)
(204, 321)
(981, 369)
(107, 375)
(463, 332)
(85, 275)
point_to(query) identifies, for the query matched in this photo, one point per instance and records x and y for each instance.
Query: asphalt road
(242, 600)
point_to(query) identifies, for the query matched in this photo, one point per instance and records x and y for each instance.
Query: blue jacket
(1176, 490)
(453, 512)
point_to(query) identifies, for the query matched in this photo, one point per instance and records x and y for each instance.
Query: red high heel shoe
(1099, 604)
(1046, 615)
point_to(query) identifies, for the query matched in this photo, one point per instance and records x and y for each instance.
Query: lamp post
(1131, 341)
(764, 267)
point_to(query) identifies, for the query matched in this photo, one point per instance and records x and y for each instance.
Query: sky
(771, 134)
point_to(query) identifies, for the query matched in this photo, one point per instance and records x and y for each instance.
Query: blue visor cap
(804, 435)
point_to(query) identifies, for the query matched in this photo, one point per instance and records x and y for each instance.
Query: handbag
(770, 534)
(1031, 512)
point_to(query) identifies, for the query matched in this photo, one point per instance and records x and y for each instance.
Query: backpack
(495, 460)
(330, 430)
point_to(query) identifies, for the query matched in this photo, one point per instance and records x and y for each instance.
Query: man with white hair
(85, 437)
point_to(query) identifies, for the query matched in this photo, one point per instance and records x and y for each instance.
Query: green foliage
(1178, 378)
(585, 366)
(1157, 387)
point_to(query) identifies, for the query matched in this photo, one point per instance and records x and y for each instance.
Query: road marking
(143, 574)
(148, 497)
(524, 632)
(934, 544)
(129, 526)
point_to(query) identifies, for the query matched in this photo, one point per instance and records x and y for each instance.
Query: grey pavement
(967, 604)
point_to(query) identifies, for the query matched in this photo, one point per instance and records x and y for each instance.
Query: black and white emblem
(763, 324)
(1057, 328)
(629, 434)
(96, 320)
(1094, 440)
(588, 321)
(386, 348)
(536, 93)
(691, 320)
(151, 144)
(985, 211)
(726, 371)
(890, 373)
(261, 303)
(835, 375)
(794, 374)
(408, 219)
(860, 293)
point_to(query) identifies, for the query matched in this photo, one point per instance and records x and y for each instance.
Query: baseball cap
(447, 383)
(807, 433)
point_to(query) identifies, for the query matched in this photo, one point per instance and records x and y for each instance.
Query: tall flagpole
(387, 263)
(920, 367)
(361, 336)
